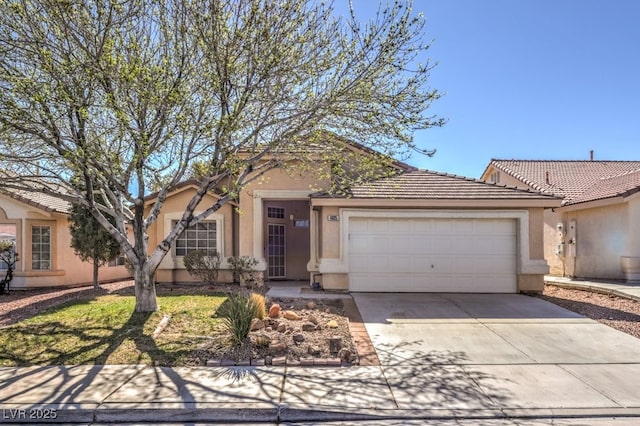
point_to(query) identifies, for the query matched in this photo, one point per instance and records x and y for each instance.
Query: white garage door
(432, 255)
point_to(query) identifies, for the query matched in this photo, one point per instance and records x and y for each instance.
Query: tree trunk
(96, 265)
(145, 289)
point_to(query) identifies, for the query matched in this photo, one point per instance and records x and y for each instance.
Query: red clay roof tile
(575, 181)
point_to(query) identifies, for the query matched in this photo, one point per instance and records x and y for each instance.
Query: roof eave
(602, 202)
(471, 203)
(45, 209)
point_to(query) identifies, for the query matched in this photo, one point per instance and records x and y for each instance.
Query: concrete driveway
(510, 352)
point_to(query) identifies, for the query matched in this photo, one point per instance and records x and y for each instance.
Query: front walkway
(617, 288)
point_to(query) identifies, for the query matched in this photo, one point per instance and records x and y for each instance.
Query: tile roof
(575, 181)
(617, 186)
(39, 200)
(430, 185)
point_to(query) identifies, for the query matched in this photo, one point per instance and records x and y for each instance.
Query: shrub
(238, 312)
(244, 272)
(262, 341)
(260, 305)
(203, 265)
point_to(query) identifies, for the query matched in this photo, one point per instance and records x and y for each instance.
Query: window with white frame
(119, 260)
(40, 248)
(7, 233)
(201, 236)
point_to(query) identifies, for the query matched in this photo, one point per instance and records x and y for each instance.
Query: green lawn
(107, 331)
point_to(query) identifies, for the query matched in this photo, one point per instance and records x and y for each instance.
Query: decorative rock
(335, 344)
(345, 355)
(257, 324)
(311, 305)
(277, 346)
(332, 324)
(281, 328)
(274, 311)
(308, 326)
(313, 350)
(313, 319)
(291, 316)
(298, 337)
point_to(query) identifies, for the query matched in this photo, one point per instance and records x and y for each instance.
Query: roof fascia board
(470, 204)
(592, 204)
(43, 210)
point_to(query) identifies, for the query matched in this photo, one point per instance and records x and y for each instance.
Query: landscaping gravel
(616, 312)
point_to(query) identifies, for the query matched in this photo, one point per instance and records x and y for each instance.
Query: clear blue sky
(530, 79)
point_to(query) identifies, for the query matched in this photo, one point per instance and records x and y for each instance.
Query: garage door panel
(496, 245)
(401, 264)
(462, 227)
(401, 244)
(420, 226)
(442, 227)
(399, 227)
(359, 244)
(440, 255)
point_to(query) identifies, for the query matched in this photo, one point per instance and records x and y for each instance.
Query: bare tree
(130, 94)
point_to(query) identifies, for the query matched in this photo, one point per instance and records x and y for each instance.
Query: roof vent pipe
(591, 155)
(546, 178)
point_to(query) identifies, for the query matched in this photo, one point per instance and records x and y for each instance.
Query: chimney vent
(591, 155)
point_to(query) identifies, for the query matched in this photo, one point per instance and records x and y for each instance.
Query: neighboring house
(419, 231)
(38, 226)
(596, 231)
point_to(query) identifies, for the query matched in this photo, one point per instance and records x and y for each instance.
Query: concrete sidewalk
(134, 394)
(618, 288)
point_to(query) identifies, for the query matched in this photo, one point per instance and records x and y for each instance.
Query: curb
(127, 413)
(280, 362)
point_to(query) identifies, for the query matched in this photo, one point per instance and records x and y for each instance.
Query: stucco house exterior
(416, 231)
(38, 226)
(595, 233)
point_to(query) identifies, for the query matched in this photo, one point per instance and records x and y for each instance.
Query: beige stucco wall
(66, 268)
(171, 268)
(602, 238)
(552, 238)
(633, 215)
(242, 227)
(276, 184)
(606, 231)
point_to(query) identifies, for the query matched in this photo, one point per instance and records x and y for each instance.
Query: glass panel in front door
(276, 250)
